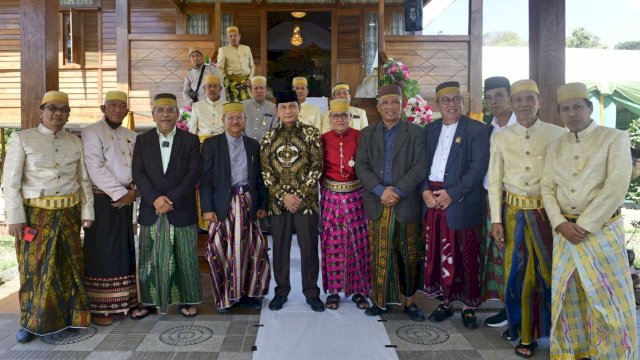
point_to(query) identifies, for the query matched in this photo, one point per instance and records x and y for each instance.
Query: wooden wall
(10, 61)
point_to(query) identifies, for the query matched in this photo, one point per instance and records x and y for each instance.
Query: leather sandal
(332, 302)
(361, 301)
(529, 347)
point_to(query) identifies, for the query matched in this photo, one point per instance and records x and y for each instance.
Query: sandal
(529, 347)
(361, 301)
(333, 302)
(184, 310)
(147, 313)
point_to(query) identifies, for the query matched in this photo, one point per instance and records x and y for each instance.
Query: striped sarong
(235, 89)
(168, 265)
(594, 311)
(52, 292)
(237, 255)
(527, 266)
(344, 242)
(397, 254)
(492, 274)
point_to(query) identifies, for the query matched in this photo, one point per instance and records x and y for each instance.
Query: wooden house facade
(88, 47)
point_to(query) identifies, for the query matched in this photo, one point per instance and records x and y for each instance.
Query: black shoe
(375, 310)
(497, 320)
(414, 313)
(253, 303)
(506, 334)
(316, 304)
(440, 313)
(23, 336)
(469, 319)
(277, 302)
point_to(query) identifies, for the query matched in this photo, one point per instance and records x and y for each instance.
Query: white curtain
(397, 23)
(370, 42)
(198, 24)
(76, 2)
(227, 21)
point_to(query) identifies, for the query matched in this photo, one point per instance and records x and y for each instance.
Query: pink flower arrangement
(395, 72)
(185, 117)
(418, 111)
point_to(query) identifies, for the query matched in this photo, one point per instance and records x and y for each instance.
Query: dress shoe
(277, 302)
(24, 336)
(415, 314)
(375, 310)
(316, 304)
(440, 313)
(254, 303)
(469, 319)
(101, 320)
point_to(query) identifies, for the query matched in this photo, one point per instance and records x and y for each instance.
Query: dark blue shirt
(389, 141)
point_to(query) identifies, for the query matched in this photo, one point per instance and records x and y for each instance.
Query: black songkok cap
(497, 82)
(286, 97)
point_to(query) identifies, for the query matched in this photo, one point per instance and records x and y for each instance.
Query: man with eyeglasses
(344, 243)
(48, 197)
(291, 158)
(457, 160)
(193, 88)
(206, 116)
(234, 199)
(496, 97)
(260, 112)
(358, 116)
(166, 168)
(109, 248)
(584, 182)
(391, 164)
(519, 223)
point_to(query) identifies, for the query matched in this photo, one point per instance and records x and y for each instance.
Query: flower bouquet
(184, 119)
(417, 111)
(395, 72)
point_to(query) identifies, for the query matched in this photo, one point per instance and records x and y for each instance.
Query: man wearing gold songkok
(206, 116)
(234, 198)
(166, 168)
(291, 159)
(457, 161)
(358, 116)
(48, 197)
(344, 236)
(109, 248)
(309, 114)
(519, 224)
(236, 62)
(391, 164)
(260, 112)
(193, 89)
(584, 182)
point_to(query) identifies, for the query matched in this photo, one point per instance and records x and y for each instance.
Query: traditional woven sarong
(344, 242)
(235, 89)
(168, 265)
(237, 255)
(109, 253)
(527, 266)
(593, 312)
(452, 265)
(52, 293)
(396, 256)
(492, 265)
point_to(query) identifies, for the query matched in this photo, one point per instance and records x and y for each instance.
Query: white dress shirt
(441, 156)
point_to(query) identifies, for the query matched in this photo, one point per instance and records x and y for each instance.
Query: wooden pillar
(122, 45)
(334, 47)
(547, 52)
(381, 49)
(475, 59)
(38, 56)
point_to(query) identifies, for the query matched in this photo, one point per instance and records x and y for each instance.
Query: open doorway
(308, 55)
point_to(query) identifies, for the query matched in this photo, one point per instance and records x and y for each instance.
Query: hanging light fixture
(298, 14)
(296, 38)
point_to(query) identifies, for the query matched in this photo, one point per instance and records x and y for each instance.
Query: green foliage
(633, 193)
(628, 45)
(503, 38)
(581, 38)
(395, 72)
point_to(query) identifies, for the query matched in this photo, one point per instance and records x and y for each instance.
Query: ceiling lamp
(298, 14)
(296, 39)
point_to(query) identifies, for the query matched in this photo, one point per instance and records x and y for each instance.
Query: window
(79, 3)
(198, 24)
(227, 20)
(80, 38)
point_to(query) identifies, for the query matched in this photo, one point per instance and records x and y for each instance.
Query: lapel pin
(459, 140)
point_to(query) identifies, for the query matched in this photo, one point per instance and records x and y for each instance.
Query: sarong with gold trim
(346, 264)
(237, 254)
(168, 265)
(52, 293)
(527, 266)
(397, 255)
(452, 263)
(235, 89)
(110, 262)
(594, 312)
(492, 278)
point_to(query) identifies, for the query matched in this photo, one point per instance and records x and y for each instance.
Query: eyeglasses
(447, 100)
(53, 109)
(336, 116)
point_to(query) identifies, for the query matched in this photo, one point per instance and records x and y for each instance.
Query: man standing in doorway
(236, 62)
